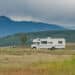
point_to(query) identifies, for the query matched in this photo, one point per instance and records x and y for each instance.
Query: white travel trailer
(50, 43)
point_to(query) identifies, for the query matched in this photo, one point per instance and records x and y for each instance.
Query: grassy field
(26, 61)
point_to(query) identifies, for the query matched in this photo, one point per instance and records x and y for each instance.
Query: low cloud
(60, 12)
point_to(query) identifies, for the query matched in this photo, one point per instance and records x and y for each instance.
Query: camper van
(50, 43)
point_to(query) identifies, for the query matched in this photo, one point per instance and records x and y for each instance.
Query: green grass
(58, 68)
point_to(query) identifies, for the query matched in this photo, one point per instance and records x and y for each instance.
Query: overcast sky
(60, 12)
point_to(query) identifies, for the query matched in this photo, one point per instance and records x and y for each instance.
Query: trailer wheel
(52, 48)
(49, 48)
(34, 48)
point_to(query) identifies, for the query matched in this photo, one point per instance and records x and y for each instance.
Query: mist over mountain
(9, 27)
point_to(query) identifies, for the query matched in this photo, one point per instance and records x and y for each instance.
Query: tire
(49, 48)
(52, 48)
(34, 48)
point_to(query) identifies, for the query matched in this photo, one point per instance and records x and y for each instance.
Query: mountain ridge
(8, 26)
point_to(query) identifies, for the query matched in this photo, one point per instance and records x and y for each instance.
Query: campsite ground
(26, 61)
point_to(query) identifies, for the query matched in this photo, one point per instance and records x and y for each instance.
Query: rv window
(50, 42)
(44, 42)
(60, 42)
(36, 42)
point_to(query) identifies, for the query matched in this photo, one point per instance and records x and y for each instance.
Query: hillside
(9, 27)
(69, 35)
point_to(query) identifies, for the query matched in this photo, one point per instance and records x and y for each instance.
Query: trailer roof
(47, 39)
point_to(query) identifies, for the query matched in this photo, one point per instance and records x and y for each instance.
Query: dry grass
(40, 64)
(26, 61)
(69, 50)
(54, 65)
